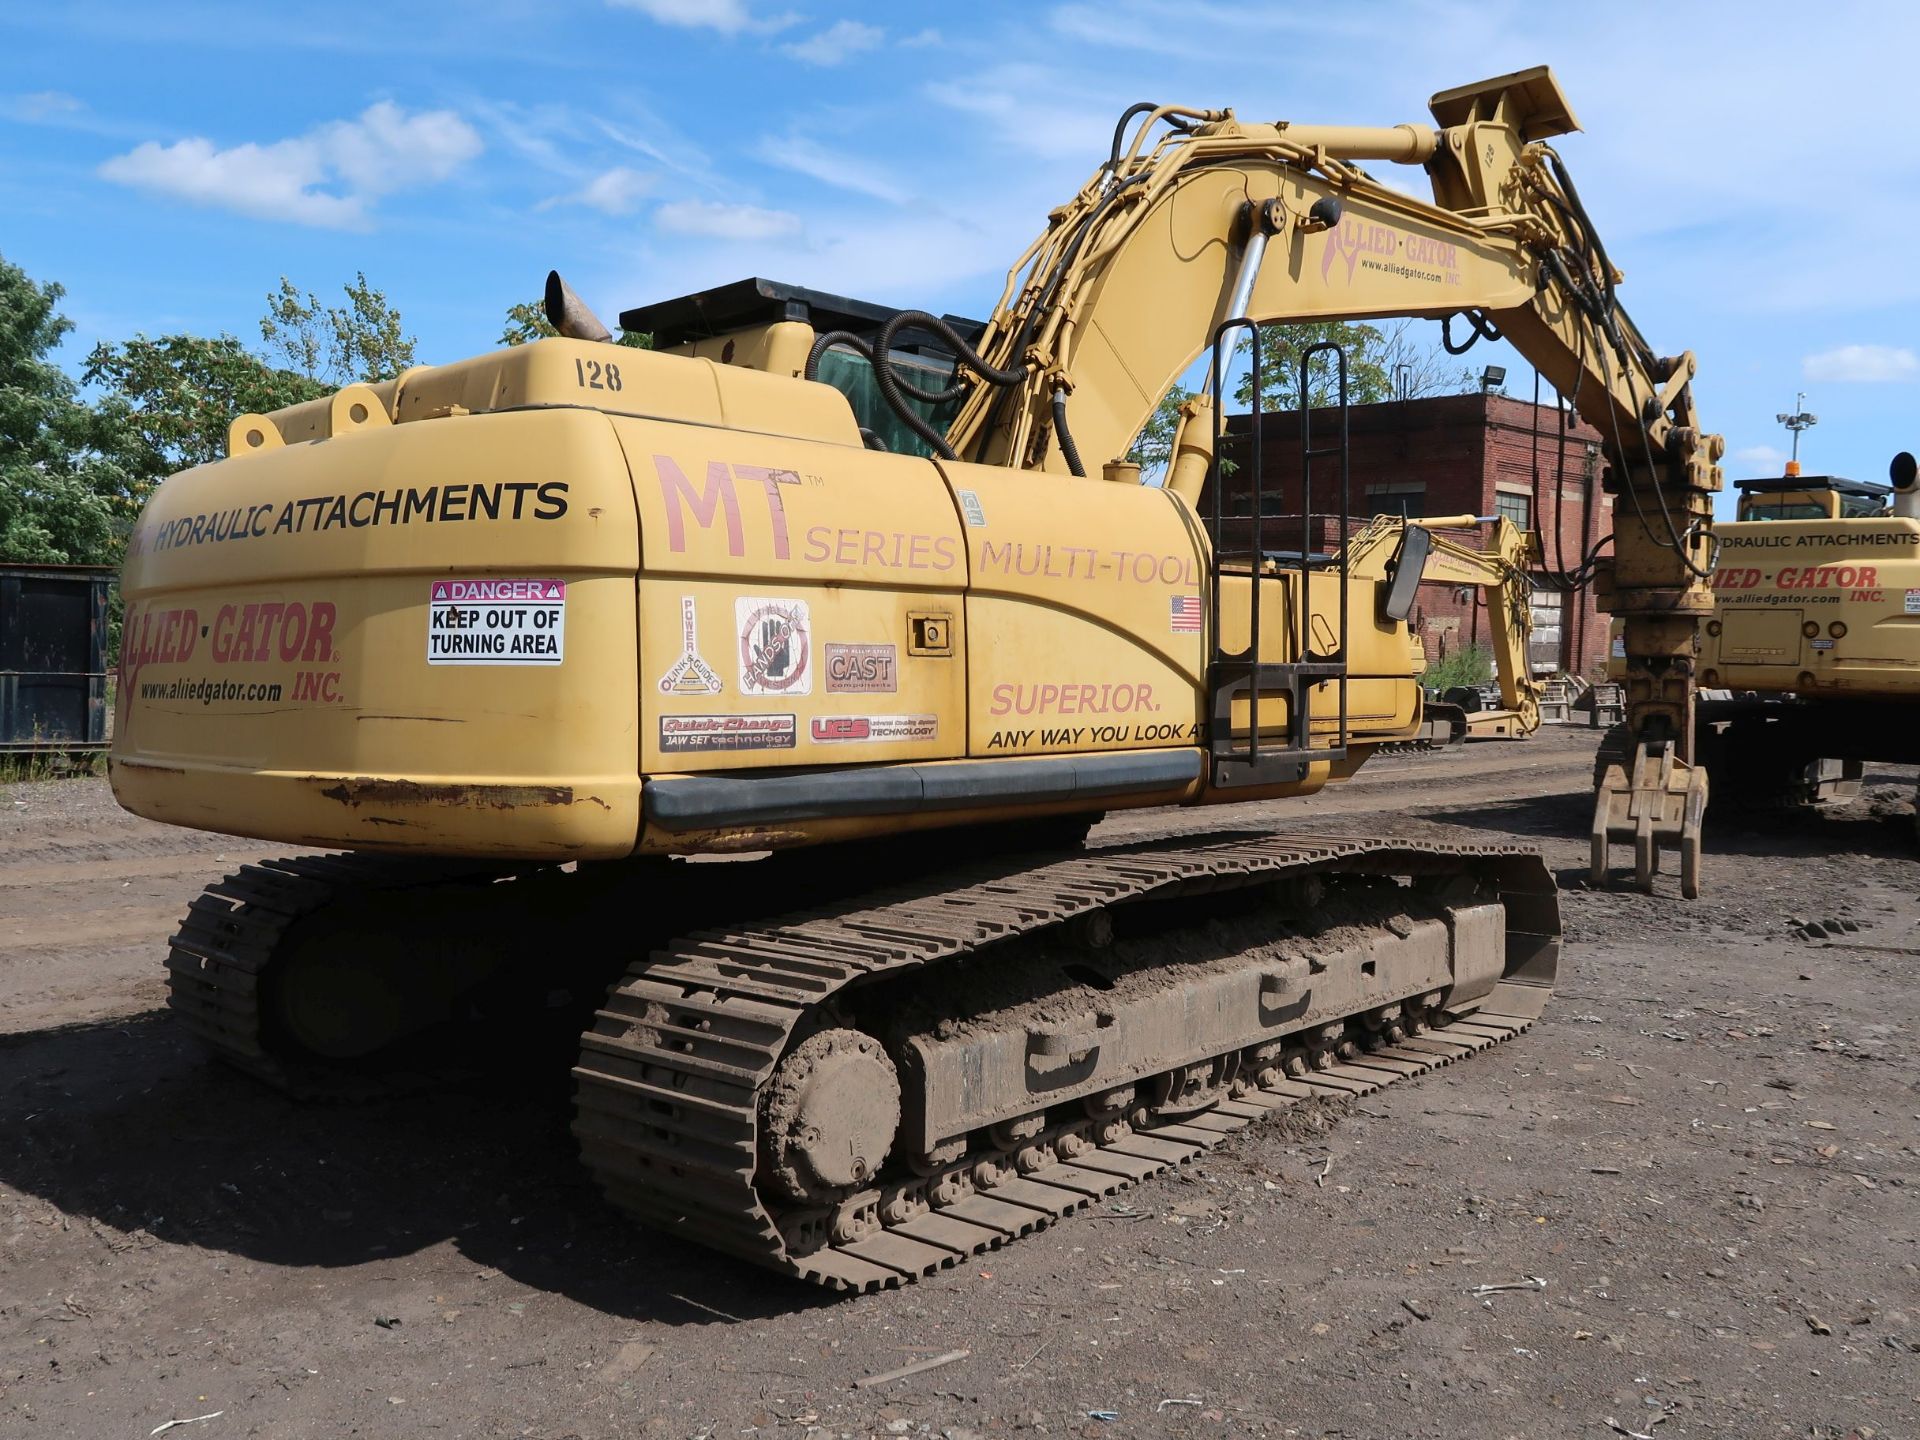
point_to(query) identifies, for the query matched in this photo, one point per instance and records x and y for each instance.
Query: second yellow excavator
(1811, 660)
(530, 635)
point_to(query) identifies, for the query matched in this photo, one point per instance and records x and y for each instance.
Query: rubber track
(670, 1075)
(228, 937)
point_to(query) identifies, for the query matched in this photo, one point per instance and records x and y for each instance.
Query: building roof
(1473, 408)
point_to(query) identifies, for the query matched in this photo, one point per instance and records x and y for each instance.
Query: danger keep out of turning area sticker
(497, 622)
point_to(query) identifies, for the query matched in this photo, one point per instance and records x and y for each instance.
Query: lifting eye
(1838, 629)
(1810, 628)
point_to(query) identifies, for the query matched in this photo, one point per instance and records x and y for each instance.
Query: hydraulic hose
(1483, 329)
(893, 390)
(1144, 107)
(1045, 300)
(1067, 448)
(855, 343)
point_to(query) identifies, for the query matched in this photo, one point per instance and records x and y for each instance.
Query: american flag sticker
(1185, 614)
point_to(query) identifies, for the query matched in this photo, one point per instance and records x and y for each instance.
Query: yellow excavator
(1812, 656)
(1502, 570)
(1808, 664)
(525, 638)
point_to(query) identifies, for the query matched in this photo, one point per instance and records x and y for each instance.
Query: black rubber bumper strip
(691, 802)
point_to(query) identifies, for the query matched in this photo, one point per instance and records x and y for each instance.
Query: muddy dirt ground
(1708, 1152)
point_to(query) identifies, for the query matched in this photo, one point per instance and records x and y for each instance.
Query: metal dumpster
(53, 658)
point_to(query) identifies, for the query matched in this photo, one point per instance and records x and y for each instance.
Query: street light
(1799, 420)
(1492, 378)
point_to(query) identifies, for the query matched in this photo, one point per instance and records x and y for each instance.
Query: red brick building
(1451, 455)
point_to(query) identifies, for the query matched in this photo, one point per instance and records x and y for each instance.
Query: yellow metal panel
(1382, 694)
(801, 567)
(612, 378)
(779, 349)
(1861, 575)
(843, 689)
(1085, 604)
(275, 653)
(620, 380)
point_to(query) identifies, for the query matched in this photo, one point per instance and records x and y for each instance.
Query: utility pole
(1796, 422)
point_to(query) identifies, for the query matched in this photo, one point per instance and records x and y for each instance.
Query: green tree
(1281, 348)
(63, 496)
(336, 344)
(528, 322)
(172, 398)
(1381, 365)
(1153, 446)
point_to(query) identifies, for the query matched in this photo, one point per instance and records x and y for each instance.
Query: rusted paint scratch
(370, 790)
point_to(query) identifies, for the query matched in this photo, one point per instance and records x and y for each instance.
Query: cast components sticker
(776, 646)
(861, 669)
(497, 622)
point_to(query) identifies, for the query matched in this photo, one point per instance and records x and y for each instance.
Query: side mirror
(1404, 571)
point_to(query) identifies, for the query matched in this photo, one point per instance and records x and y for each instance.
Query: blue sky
(1751, 166)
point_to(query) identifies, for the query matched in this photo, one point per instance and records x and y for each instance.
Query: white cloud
(809, 158)
(611, 192)
(268, 182)
(922, 38)
(729, 17)
(42, 106)
(1761, 459)
(1072, 123)
(387, 149)
(838, 43)
(724, 222)
(327, 177)
(1862, 363)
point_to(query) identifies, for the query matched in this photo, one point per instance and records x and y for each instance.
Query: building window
(1403, 498)
(1516, 508)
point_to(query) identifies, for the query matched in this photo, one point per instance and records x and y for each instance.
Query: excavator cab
(1811, 497)
(770, 325)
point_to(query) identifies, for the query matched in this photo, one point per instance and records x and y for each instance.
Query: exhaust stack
(569, 314)
(1905, 475)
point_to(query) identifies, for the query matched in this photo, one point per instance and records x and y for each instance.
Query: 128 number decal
(592, 375)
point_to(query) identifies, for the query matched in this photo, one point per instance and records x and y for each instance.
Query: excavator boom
(1221, 220)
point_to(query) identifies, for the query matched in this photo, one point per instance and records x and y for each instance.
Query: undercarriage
(910, 1069)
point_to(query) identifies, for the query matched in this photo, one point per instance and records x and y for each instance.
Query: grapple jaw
(1652, 799)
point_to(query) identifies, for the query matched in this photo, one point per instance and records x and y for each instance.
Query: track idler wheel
(829, 1116)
